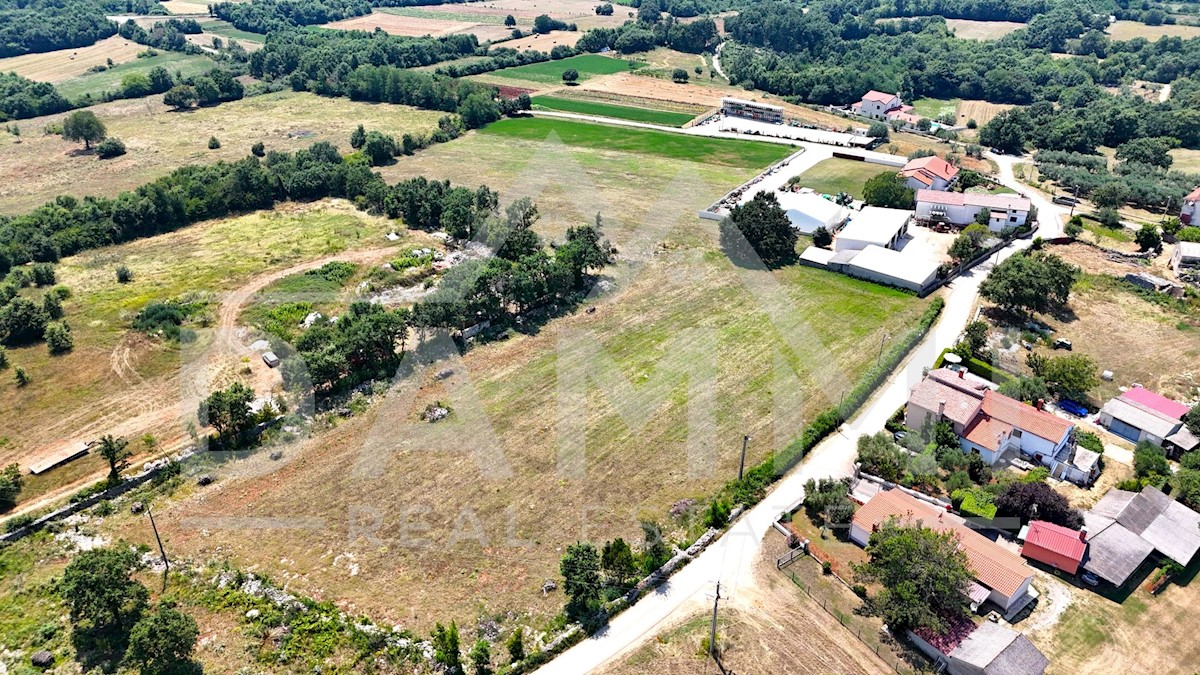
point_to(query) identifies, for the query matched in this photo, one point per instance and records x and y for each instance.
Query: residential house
(990, 649)
(753, 110)
(1124, 528)
(1059, 547)
(907, 121)
(874, 225)
(962, 208)
(1002, 577)
(929, 173)
(877, 105)
(991, 425)
(1186, 255)
(1142, 415)
(1189, 214)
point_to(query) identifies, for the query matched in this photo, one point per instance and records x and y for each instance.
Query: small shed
(1059, 547)
(808, 211)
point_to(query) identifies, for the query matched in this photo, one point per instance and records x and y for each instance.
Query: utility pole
(883, 337)
(161, 550)
(1074, 202)
(712, 634)
(742, 464)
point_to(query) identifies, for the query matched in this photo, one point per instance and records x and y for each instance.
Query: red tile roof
(1025, 417)
(1061, 540)
(934, 165)
(987, 432)
(1002, 201)
(1173, 409)
(878, 96)
(1194, 195)
(993, 565)
(962, 402)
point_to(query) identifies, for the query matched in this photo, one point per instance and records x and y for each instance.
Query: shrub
(20, 377)
(976, 503)
(1086, 439)
(124, 274)
(213, 143)
(58, 338)
(3, 358)
(826, 567)
(109, 148)
(859, 590)
(258, 149)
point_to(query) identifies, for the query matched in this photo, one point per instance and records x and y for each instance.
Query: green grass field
(550, 72)
(933, 107)
(98, 83)
(624, 112)
(226, 29)
(719, 151)
(832, 176)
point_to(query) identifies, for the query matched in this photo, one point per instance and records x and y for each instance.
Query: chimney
(962, 374)
(941, 408)
(1083, 534)
(1041, 404)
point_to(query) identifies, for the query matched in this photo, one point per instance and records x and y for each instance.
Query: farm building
(1186, 255)
(1124, 528)
(1059, 547)
(893, 268)
(961, 208)
(1190, 210)
(1142, 415)
(764, 112)
(873, 226)
(877, 105)
(807, 211)
(929, 173)
(993, 425)
(1002, 573)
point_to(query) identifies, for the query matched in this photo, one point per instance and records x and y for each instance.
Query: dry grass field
(159, 140)
(192, 7)
(543, 43)
(980, 111)
(402, 25)
(1185, 160)
(1127, 30)
(123, 382)
(65, 64)
(462, 535)
(981, 30)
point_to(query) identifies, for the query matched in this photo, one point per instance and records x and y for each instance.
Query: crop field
(673, 296)
(159, 140)
(967, 29)
(980, 111)
(835, 175)
(550, 72)
(402, 25)
(1128, 30)
(583, 107)
(193, 7)
(65, 64)
(98, 83)
(720, 151)
(120, 381)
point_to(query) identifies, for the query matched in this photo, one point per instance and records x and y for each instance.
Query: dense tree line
(991, 10)
(264, 16)
(169, 34)
(21, 98)
(639, 36)
(47, 25)
(312, 54)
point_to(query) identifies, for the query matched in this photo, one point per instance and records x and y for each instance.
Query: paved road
(1051, 216)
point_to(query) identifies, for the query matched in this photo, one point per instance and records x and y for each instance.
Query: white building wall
(859, 535)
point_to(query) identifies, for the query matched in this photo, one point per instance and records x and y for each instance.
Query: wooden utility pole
(162, 551)
(712, 634)
(742, 464)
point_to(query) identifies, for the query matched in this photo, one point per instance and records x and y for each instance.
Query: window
(1016, 433)
(1012, 219)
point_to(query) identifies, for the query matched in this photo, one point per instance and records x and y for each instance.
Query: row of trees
(22, 98)
(693, 37)
(593, 577)
(265, 16)
(46, 25)
(316, 54)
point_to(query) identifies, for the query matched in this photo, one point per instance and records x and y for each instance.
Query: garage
(1126, 431)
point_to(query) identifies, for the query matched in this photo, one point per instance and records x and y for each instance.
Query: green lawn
(550, 72)
(720, 151)
(624, 112)
(933, 107)
(226, 29)
(1111, 233)
(98, 83)
(832, 176)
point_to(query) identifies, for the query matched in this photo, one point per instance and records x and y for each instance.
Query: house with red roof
(993, 425)
(1059, 547)
(961, 208)
(1189, 213)
(877, 105)
(929, 173)
(1139, 414)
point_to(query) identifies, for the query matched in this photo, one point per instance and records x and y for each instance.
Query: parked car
(1065, 200)
(1063, 343)
(1090, 579)
(1073, 407)
(997, 151)
(270, 359)
(899, 436)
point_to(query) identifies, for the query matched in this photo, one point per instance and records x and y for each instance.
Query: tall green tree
(162, 642)
(103, 597)
(116, 452)
(889, 190)
(446, 648)
(481, 657)
(227, 410)
(580, 569)
(10, 486)
(759, 228)
(83, 125)
(923, 574)
(1030, 282)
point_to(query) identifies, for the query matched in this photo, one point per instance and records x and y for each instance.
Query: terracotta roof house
(877, 105)
(991, 424)
(933, 173)
(1142, 415)
(1060, 547)
(1190, 210)
(961, 208)
(1124, 528)
(1002, 572)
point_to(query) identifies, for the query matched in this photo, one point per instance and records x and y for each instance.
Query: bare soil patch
(967, 29)
(65, 64)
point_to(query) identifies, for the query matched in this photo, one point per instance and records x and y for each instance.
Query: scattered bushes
(213, 143)
(109, 148)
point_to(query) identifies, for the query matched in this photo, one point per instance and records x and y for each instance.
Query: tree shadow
(99, 649)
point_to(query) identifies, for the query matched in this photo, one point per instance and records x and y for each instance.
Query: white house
(877, 105)
(873, 225)
(1190, 211)
(891, 267)
(929, 173)
(807, 211)
(961, 208)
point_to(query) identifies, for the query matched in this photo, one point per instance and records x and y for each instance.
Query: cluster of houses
(870, 246)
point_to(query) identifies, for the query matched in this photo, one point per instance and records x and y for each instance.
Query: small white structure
(893, 268)
(270, 359)
(815, 256)
(808, 211)
(754, 110)
(961, 208)
(1187, 254)
(876, 226)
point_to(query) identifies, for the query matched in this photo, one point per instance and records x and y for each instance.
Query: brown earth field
(159, 140)
(415, 523)
(402, 25)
